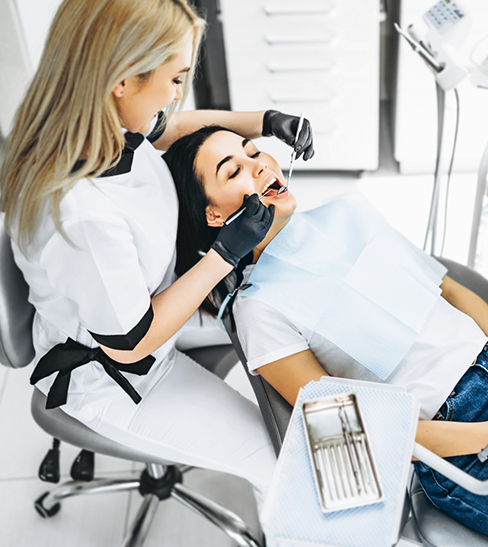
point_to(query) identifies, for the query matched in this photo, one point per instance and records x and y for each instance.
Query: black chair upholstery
(438, 528)
(16, 349)
(276, 411)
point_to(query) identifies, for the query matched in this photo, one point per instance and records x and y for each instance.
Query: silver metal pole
(478, 207)
(434, 204)
(76, 488)
(137, 533)
(227, 521)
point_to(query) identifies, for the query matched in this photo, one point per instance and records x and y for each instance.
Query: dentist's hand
(284, 127)
(237, 239)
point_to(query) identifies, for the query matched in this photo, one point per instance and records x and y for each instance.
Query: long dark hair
(194, 235)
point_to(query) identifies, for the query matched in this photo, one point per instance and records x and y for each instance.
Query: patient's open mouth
(272, 188)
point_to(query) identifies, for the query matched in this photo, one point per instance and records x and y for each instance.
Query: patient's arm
(452, 438)
(289, 374)
(466, 301)
(445, 439)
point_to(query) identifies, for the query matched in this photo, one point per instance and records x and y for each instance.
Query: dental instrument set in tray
(327, 413)
(342, 463)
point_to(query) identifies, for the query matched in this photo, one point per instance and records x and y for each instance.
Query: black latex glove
(284, 127)
(239, 238)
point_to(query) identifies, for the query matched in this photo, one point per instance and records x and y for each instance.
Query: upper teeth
(272, 181)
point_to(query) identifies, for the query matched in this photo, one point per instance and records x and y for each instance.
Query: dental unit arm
(445, 27)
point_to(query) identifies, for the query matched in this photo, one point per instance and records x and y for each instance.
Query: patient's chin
(284, 209)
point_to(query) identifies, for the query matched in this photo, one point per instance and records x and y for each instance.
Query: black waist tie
(64, 358)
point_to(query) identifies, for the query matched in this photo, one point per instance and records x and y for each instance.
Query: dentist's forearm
(247, 124)
(175, 305)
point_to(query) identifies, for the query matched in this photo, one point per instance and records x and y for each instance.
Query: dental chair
(427, 526)
(160, 480)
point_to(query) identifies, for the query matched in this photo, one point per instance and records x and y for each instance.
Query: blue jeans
(468, 402)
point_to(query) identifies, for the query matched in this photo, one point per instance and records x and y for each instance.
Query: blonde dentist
(92, 212)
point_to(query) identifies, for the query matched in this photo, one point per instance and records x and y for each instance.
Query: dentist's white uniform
(122, 227)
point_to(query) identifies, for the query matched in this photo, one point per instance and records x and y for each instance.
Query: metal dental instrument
(238, 214)
(293, 156)
(351, 450)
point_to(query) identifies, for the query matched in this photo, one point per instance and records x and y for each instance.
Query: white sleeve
(265, 334)
(100, 272)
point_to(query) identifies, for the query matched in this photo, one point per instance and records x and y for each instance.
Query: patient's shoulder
(253, 314)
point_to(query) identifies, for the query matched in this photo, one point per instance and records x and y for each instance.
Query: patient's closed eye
(235, 173)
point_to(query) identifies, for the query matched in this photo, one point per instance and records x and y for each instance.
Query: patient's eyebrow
(221, 162)
(228, 158)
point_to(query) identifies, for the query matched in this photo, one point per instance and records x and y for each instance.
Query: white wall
(24, 25)
(23, 28)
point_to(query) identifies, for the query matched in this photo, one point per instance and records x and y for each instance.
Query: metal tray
(342, 462)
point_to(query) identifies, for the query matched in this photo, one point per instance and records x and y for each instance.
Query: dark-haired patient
(446, 367)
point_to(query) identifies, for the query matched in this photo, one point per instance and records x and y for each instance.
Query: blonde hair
(69, 110)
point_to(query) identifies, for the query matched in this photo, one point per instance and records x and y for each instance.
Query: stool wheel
(45, 513)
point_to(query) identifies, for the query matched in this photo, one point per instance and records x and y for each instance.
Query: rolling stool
(160, 480)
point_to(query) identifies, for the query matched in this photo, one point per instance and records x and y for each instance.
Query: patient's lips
(271, 189)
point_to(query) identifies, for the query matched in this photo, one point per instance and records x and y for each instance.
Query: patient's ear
(214, 219)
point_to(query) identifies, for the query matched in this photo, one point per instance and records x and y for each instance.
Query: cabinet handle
(277, 66)
(297, 39)
(291, 97)
(277, 8)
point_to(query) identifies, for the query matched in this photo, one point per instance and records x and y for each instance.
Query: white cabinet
(415, 135)
(316, 56)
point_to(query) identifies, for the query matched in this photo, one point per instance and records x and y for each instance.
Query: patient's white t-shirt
(448, 344)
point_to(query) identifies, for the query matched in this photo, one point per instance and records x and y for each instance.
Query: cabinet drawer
(259, 12)
(283, 69)
(258, 96)
(254, 23)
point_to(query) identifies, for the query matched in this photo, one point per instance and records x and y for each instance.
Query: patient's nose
(260, 167)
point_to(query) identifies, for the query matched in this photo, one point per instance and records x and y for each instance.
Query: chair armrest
(450, 471)
(275, 410)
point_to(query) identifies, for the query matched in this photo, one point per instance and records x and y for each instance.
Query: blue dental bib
(342, 271)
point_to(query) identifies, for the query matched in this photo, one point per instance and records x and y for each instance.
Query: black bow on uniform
(63, 358)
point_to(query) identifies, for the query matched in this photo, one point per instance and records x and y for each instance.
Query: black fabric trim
(243, 264)
(159, 128)
(64, 358)
(132, 142)
(130, 340)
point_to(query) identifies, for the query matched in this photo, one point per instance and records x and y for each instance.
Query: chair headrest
(16, 312)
